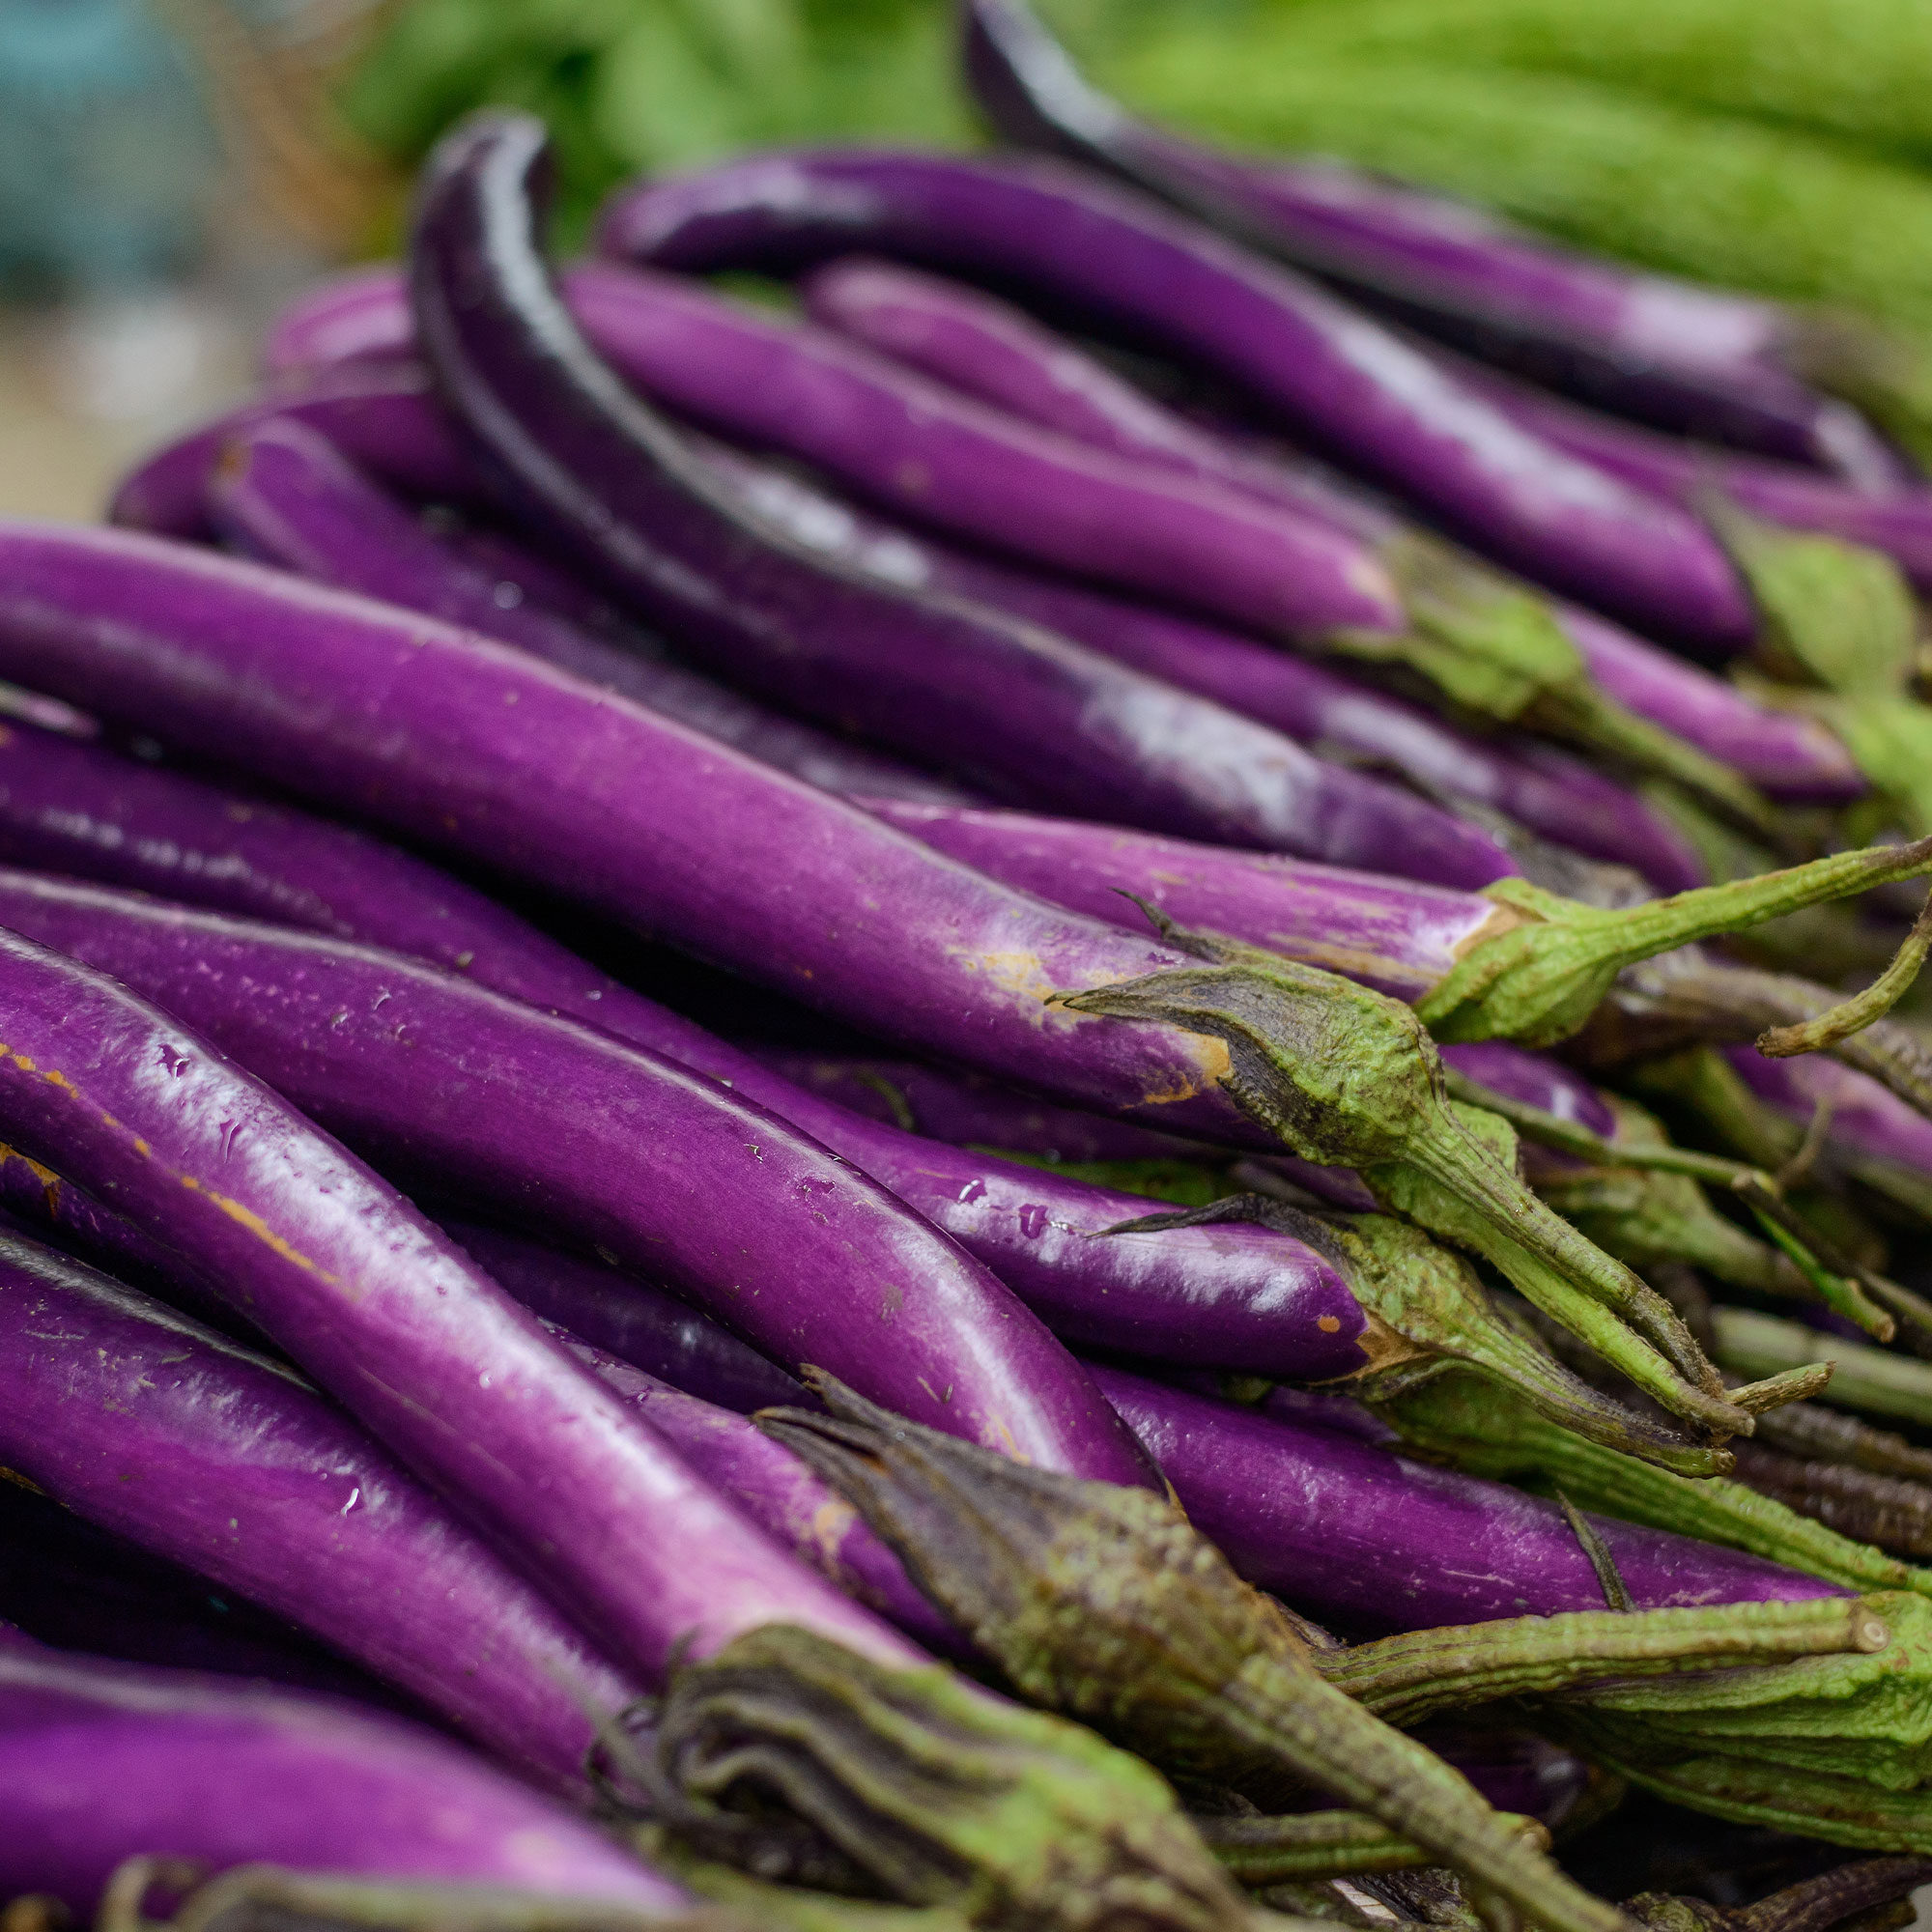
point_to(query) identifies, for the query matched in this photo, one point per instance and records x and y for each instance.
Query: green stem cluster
(1345, 1076)
(1479, 1428)
(1106, 1604)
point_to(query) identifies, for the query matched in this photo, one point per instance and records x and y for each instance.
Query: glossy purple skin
(1899, 524)
(991, 350)
(55, 1212)
(380, 415)
(1537, 1079)
(476, 746)
(1546, 791)
(1195, 1293)
(795, 1507)
(1393, 935)
(1864, 1115)
(633, 1319)
(553, 1124)
(385, 1314)
(945, 682)
(283, 495)
(929, 451)
(1369, 396)
(1696, 360)
(202, 1452)
(1351, 1532)
(926, 451)
(100, 1761)
(1783, 752)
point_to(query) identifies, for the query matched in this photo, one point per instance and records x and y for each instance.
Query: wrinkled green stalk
(1321, 1844)
(1431, 1298)
(1408, 1678)
(1478, 1428)
(1855, 1891)
(1493, 648)
(1347, 1077)
(1813, 1803)
(1639, 1204)
(1819, 1035)
(1181, 1660)
(1539, 980)
(1690, 997)
(1701, 1086)
(1856, 1716)
(1870, 1380)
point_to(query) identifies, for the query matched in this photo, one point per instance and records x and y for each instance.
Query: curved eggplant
(1364, 394)
(199, 1450)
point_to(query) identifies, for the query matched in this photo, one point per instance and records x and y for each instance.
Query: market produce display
(1023, 1040)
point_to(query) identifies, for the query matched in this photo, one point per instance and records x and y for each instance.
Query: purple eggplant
(469, 1388)
(1697, 361)
(197, 1449)
(341, 1272)
(103, 1762)
(477, 748)
(1276, 558)
(783, 1498)
(380, 415)
(78, 810)
(1200, 1294)
(991, 350)
(1367, 395)
(283, 495)
(631, 1318)
(934, 679)
(1423, 944)
(1355, 1532)
(1900, 524)
(613, 1145)
(508, 778)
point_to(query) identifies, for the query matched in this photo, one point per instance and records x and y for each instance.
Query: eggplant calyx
(794, 1758)
(1347, 1077)
(1105, 1602)
(1408, 1678)
(1537, 980)
(1431, 1298)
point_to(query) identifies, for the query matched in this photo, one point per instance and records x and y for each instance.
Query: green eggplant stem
(1537, 979)
(1345, 1076)
(1812, 1905)
(1823, 1032)
(1408, 1678)
(1322, 1844)
(1874, 1382)
(1477, 1427)
(1429, 1296)
(1493, 647)
(1696, 998)
(1854, 1715)
(1106, 1604)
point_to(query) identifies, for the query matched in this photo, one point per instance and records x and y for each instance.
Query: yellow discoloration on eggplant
(243, 1216)
(1216, 1064)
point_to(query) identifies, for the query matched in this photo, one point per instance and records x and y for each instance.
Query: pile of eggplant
(945, 1055)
